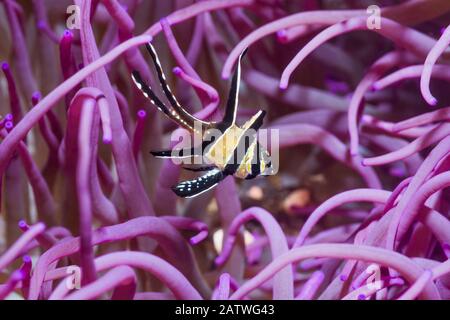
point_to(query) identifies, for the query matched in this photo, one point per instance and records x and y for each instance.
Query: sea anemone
(355, 92)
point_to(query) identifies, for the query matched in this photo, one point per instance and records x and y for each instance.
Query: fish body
(220, 152)
(234, 151)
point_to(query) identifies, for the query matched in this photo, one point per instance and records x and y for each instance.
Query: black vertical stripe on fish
(245, 141)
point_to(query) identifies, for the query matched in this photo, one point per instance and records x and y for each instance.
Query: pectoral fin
(199, 169)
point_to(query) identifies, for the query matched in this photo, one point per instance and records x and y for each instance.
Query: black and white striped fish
(235, 151)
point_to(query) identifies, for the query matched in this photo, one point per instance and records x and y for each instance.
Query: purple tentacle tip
(9, 125)
(141, 113)
(218, 261)
(164, 20)
(35, 97)
(5, 66)
(67, 34)
(107, 140)
(40, 25)
(343, 277)
(177, 71)
(22, 225)
(282, 35)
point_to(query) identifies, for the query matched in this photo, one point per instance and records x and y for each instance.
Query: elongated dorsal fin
(233, 96)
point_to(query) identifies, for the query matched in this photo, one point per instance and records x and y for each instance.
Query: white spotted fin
(192, 188)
